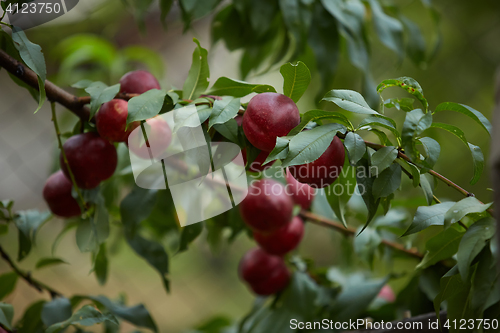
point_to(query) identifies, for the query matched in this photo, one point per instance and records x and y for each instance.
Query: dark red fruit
(111, 121)
(282, 240)
(325, 170)
(57, 194)
(302, 194)
(267, 207)
(91, 159)
(159, 136)
(138, 82)
(266, 274)
(256, 165)
(268, 116)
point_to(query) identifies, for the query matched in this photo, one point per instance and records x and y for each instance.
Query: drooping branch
(27, 277)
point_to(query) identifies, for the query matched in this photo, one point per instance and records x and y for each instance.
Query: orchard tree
(305, 167)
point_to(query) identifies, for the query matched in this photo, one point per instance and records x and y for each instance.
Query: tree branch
(26, 276)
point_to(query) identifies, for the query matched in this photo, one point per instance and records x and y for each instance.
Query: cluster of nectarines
(92, 156)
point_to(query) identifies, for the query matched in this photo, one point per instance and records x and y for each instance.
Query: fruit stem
(27, 277)
(72, 177)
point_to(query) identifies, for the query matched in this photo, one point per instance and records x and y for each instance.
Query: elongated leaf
(100, 95)
(440, 247)
(389, 29)
(365, 180)
(379, 120)
(308, 146)
(408, 84)
(355, 146)
(315, 115)
(31, 322)
(427, 188)
(383, 158)
(402, 104)
(101, 265)
(349, 100)
(450, 285)
(463, 208)
(427, 216)
(189, 234)
(146, 105)
(339, 193)
(473, 243)
(45, 262)
(6, 315)
(280, 151)
(33, 57)
(223, 110)
(56, 311)
(387, 181)
(416, 48)
(28, 222)
(296, 79)
(432, 150)
(7, 284)
(477, 154)
(468, 111)
(229, 87)
(229, 130)
(198, 77)
(86, 316)
(366, 243)
(414, 171)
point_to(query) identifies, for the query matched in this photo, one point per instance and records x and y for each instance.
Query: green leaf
(146, 105)
(414, 171)
(349, 100)
(7, 284)
(301, 294)
(189, 234)
(229, 130)
(31, 322)
(416, 47)
(473, 242)
(427, 216)
(165, 6)
(191, 116)
(6, 315)
(33, 57)
(365, 181)
(308, 146)
(82, 84)
(99, 94)
(432, 151)
(440, 247)
(224, 110)
(402, 104)
(315, 115)
(56, 311)
(389, 29)
(450, 285)
(28, 222)
(408, 84)
(101, 265)
(347, 184)
(463, 208)
(198, 77)
(137, 315)
(229, 87)
(379, 120)
(384, 158)
(468, 111)
(44, 262)
(296, 79)
(485, 284)
(427, 188)
(280, 151)
(387, 181)
(366, 243)
(86, 316)
(355, 146)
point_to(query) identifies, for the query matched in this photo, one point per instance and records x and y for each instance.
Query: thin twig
(27, 277)
(63, 153)
(349, 231)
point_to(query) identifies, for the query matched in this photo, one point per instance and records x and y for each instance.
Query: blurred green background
(205, 282)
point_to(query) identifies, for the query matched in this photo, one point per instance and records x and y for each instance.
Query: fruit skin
(57, 195)
(111, 121)
(267, 207)
(91, 159)
(323, 171)
(282, 240)
(302, 194)
(256, 165)
(268, 116)
(387, 294)
(266, 274)
(138, 82)
(159, 138)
